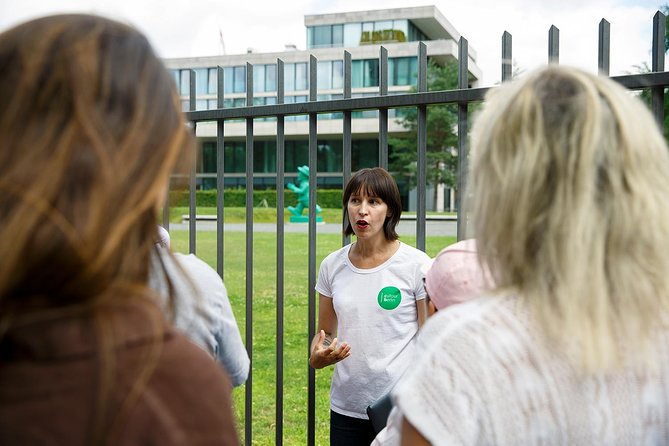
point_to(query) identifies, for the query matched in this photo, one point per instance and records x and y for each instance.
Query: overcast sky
(184, 28)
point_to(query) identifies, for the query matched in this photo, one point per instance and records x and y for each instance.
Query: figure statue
(302, 191)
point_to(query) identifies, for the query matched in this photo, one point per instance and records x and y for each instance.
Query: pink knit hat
(455, 275)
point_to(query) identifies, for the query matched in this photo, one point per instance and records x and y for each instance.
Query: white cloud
(180, 28)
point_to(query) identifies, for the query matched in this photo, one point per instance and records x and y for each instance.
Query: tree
(442, 160)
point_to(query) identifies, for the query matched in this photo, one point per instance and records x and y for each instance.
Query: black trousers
(350, 431)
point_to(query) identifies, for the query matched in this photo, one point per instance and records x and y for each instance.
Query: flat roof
(427, 18)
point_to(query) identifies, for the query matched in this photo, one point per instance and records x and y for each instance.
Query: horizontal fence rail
(656, 81)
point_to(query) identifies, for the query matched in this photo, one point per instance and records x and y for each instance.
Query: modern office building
(328, 35)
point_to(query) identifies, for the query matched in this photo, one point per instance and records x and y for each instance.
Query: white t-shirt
(376, 316)
(484, 376)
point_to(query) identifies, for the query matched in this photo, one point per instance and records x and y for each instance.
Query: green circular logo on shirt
(389, 298)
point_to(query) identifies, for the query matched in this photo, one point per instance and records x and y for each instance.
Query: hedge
(326, 198)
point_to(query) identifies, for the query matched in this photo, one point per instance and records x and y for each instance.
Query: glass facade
(402, 71)
(363, 33)
(364, 153)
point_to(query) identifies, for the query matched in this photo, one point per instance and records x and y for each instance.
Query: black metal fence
(656, 81)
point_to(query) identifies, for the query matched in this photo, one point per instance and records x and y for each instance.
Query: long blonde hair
(569, 176)
(90, 130)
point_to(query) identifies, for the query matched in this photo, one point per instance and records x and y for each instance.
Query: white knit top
(484, 376)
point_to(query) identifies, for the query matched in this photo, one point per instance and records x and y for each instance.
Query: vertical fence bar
(383, 112)
(280, 241)
(507, 57)
(421, 164)
(166, 209)
(313, 141)
(553, 45)
(220, 169)
(463, 82)
(248, 413)
(346, 239)
(657, 93)
(193, 169)
(604, 50)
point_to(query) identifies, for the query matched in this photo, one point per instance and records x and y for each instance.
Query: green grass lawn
(262, 215)
(296, 342)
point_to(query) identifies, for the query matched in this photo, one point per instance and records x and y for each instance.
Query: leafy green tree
(442, 160)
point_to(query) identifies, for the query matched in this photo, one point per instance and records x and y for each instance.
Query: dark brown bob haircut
(375, 182)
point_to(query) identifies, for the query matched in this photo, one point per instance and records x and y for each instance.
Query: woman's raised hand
(326, 351)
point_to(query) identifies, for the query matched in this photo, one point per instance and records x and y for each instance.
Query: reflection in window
(356, 34)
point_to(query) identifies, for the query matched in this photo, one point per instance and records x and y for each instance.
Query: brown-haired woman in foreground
(569, 176)
(90, 130)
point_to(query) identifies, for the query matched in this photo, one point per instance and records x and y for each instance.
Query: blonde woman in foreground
(569, 177)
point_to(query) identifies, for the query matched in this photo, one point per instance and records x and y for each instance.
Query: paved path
(405, 227)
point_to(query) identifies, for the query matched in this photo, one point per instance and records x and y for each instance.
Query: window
(352, 33)
(289, 77)
(322, 36)
(371, 73)
(337, 35)
(330, 74)
(301, 79)
(270, 77)
(239, 79)
(259, 78)
(208, 157)
(401, 28)
(365, 73)
(296, 76)
(329, 158)
(175, 76)
(212, 87)
(402, 71)
(184, 90)
(234, 157)
(201, 82)
(324, 75)
(364, 153)
(264, 156)
(337, 74)
(228, 79)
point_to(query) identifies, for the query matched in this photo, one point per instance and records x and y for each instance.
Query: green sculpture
(302, 191)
